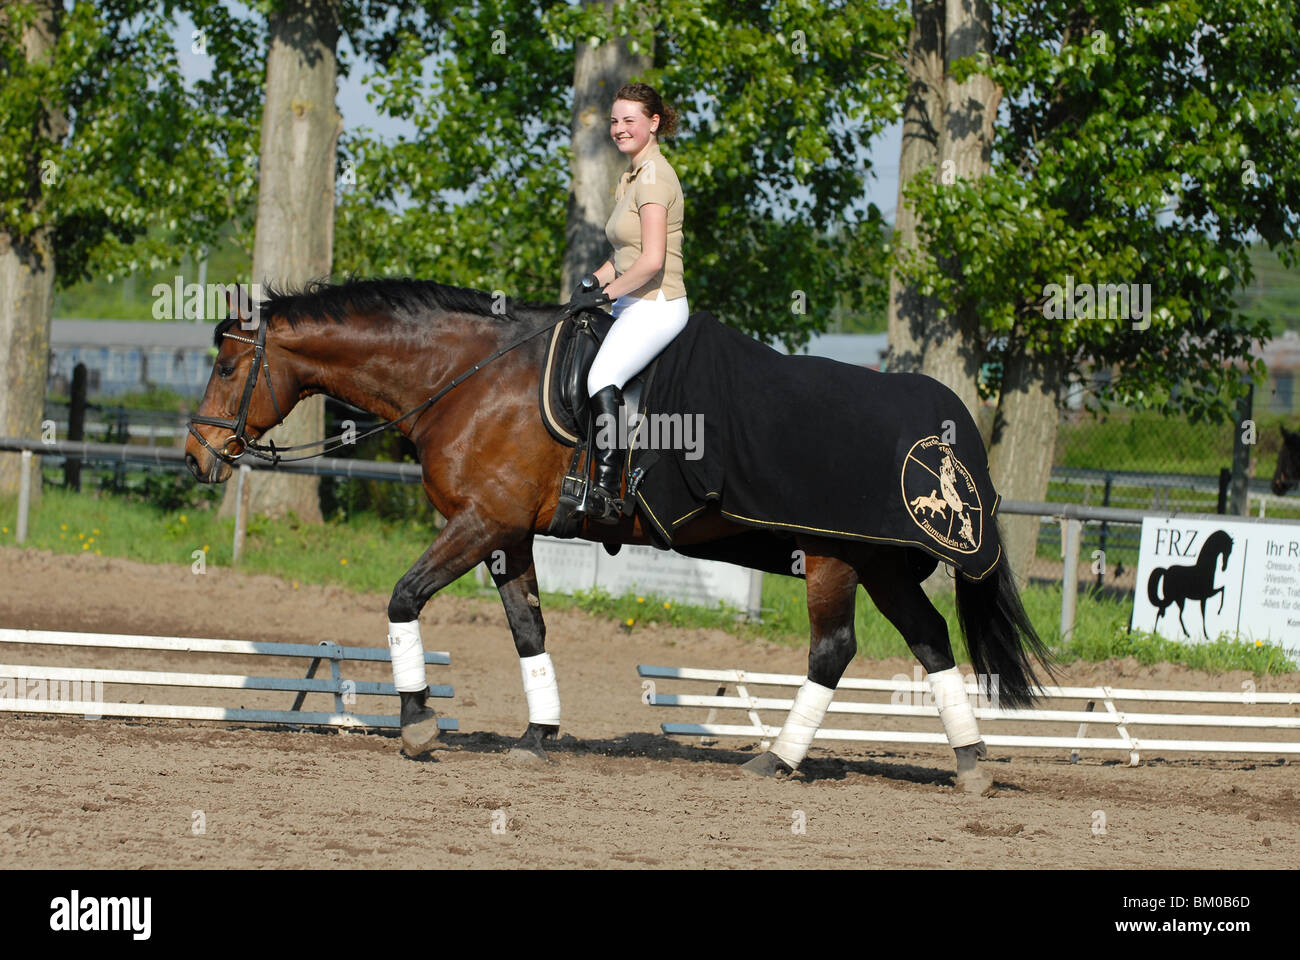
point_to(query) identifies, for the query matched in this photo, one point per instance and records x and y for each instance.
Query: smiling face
(630, 128)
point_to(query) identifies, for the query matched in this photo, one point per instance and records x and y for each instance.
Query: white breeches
(641, 330)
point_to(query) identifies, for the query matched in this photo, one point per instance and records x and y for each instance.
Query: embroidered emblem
(940, 496)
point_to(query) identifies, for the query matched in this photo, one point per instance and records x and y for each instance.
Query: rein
(270, 452)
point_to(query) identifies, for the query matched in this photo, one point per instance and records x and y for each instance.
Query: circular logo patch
(940, 496)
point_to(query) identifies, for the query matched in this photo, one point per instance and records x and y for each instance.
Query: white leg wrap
(407, 652)
(540, 688)
(955, 711)
(806, 716)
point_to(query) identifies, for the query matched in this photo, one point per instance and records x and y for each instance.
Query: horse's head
(252, 389)
(1287, 473)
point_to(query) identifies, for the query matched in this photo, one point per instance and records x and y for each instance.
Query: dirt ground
(78, 793)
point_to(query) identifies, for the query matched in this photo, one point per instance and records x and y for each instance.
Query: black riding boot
(600, 502)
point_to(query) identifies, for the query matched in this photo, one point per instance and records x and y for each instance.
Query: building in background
(123, 356)
(1282, 357)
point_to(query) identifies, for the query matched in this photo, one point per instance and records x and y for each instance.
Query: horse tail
(1000, 637)
(1153, 588)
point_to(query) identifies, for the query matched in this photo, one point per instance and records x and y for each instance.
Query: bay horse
(1287, 473)
(460, 373)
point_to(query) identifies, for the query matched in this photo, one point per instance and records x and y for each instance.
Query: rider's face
(630, 128)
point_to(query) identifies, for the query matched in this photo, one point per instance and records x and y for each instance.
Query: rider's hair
(652, 104)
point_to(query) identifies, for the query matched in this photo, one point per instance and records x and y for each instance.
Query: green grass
(367, 554)
(1148, 442)
(360, 553)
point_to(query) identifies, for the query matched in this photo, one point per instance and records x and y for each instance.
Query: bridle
(239, 425)
(273, 454)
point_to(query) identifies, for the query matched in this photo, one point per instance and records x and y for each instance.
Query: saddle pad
(805, 444)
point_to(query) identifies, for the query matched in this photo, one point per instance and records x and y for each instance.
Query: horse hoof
(530, 749)
(420, 732)
(970, 778)
(975, 781)
(528, 755)
(766, 765)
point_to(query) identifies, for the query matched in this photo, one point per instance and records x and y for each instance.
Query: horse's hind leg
(516, 579)
(893, 578)
(832, 587)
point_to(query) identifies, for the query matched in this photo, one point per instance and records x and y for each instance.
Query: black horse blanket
(795, 444)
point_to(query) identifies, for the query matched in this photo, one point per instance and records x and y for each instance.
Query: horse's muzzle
(217, 470)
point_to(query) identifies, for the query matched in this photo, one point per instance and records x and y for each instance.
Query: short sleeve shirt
(654, 181)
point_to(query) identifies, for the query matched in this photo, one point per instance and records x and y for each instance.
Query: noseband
(239, 425)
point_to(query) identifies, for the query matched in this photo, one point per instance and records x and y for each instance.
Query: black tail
(999, 636)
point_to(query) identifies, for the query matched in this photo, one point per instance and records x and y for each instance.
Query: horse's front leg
(516, 579)
(465, 542)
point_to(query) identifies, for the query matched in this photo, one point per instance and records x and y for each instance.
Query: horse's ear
(239, 304)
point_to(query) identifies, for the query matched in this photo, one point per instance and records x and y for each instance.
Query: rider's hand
(586, 294)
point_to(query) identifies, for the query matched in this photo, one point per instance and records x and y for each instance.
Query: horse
(457, 372)
(1287, 473)
(1195, 582)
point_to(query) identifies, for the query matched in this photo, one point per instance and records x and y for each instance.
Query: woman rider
(643, 278)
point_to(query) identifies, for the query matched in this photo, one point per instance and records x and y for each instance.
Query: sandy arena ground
(77, 793)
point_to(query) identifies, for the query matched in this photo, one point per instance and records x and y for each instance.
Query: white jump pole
(24, 495)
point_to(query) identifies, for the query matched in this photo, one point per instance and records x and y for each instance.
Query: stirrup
(603, 508)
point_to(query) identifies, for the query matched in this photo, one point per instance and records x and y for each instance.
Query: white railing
(16, 680)
(918, 705)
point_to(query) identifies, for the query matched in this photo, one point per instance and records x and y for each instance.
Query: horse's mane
(384, 295)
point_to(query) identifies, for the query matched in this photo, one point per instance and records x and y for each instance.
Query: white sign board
(567, 565)
(1246, 574)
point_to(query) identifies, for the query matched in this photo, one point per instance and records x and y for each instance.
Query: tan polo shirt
(654, 181)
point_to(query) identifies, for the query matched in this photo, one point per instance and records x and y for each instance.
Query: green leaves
(775, 98)
(1122, 159)
(141, 169)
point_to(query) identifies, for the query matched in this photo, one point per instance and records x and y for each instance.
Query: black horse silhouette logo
(1191, 583)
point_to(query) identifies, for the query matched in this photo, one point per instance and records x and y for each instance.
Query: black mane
(389, 295)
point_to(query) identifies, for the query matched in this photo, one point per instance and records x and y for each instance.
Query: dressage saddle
(566, 408)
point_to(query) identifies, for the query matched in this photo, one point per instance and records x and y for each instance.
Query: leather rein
(238, 425)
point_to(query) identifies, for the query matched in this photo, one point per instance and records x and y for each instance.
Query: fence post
(1070, 578)
(1105, 529)
(755, 610)
(241, 512)
(76, 426)
(24, 495)
(1240, 497)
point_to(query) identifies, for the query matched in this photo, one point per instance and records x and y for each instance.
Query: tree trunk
(912, 316)
(965, 148)
(27, 284)
(295, 209)
(1023, 444)
(598, 72)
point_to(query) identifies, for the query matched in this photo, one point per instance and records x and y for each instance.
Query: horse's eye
(224, 370)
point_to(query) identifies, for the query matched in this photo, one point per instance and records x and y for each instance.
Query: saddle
(566, 411)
